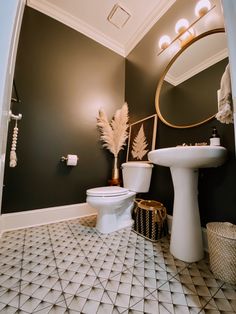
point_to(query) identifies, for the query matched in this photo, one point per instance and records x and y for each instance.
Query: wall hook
(15, 117)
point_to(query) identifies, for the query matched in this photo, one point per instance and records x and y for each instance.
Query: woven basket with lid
(150, 219)
(222, 250)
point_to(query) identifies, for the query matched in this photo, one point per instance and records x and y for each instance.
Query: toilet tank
(137, 176)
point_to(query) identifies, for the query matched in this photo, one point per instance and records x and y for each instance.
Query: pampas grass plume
(114, 134)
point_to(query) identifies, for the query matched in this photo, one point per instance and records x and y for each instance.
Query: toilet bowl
(114, 204)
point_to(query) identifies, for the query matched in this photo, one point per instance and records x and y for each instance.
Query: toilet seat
(107, 191)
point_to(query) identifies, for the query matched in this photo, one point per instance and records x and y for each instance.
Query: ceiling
(199, 56)
(90, 17)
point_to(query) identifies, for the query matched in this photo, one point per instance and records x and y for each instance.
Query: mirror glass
(187, 91)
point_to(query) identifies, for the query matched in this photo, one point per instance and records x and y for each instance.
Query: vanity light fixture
(181, 26)
(164, 42)
(202, 7)
(185, 31)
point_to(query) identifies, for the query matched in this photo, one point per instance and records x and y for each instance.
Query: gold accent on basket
(150, 219)
(142, 229)
(155, 219)
(147, 224)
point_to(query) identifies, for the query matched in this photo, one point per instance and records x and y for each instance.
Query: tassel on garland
(13, 157)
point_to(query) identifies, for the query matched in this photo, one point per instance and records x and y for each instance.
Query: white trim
(161, 8)
(197, 69)
(37, 217)
(62, 16)
(204, 232)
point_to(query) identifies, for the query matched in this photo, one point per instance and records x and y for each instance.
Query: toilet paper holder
(65, 159)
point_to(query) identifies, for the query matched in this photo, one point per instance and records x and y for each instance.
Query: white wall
(229, 10)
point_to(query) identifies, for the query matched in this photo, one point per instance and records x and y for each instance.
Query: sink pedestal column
(186, 235)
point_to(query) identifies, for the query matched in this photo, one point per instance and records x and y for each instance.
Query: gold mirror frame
(161, 81)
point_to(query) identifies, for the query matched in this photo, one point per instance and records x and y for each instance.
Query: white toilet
(113, 203)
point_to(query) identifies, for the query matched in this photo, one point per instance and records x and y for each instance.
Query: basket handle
(136, 202)
(161, 214)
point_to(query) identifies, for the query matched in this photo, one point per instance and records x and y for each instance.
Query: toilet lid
(107, 191)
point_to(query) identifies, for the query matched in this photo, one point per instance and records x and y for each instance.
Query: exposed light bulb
(181, 26)
(185, 32)
(202, 7)
(164, 42)
(187, 36)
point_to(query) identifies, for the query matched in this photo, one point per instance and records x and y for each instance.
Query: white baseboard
(204, 232)
(37, 217)
(32, 218)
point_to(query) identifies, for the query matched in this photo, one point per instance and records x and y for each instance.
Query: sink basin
(189, 156)
(184, 161)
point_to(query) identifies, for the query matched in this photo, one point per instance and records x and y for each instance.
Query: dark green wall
(63, 78)
(190, 101)
(217, 186)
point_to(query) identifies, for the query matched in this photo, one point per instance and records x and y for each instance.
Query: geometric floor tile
(70, 267)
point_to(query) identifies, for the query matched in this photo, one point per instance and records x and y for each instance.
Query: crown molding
(173, 80)
(161, 8)
(64, 17)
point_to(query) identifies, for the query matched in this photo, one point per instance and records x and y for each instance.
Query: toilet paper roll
(72, 160)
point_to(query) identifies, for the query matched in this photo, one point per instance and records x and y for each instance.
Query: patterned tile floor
(69, 267)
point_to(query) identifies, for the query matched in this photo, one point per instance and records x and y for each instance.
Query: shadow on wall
(63, 78)
(217, 198)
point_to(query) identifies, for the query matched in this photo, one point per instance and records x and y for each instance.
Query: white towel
(225, 113)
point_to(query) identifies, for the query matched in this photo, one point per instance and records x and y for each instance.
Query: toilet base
(114, 213)
(111, 219)
(104, 230)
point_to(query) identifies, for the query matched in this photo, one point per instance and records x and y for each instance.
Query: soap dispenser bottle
(215, 139)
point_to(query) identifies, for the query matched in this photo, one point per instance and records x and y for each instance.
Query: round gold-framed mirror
(186, 94)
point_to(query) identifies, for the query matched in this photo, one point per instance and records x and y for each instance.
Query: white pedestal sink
(184, 161)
